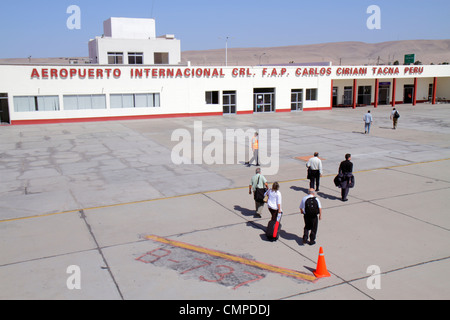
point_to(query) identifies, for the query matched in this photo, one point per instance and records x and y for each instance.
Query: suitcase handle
(279, 216)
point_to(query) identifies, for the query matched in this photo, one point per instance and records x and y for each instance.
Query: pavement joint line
(344, 282)
(205, 192)
(421, 176)
(349, 282)
(47, 257)
(407, 215)
(100, 251)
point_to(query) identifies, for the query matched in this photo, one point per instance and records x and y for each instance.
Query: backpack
(311, 206)
(396, 115)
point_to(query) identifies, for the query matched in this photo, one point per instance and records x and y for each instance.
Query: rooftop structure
(129, 41)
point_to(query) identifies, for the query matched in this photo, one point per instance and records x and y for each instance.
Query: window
(82, 102)
(122, 101)
(212, 97)
(145, 100)
(135, 58)
(161, 57)
(296, 99)
(311, 94)
(115, 57)
(35, 103)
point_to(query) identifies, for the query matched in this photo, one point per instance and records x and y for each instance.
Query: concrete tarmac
(107, 198)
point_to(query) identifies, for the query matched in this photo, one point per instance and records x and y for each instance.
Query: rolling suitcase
(273, 229)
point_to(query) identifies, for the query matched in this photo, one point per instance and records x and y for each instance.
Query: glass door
(364, 95)
(4, 108)
(297, 100)
(335, 96)
(229, 102)
(383, 94)
(264, 100)
(408, 93)
(348, 96)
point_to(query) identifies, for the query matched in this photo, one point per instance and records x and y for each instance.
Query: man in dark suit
(347, 180)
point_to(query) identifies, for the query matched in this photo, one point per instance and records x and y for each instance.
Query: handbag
(259, 193)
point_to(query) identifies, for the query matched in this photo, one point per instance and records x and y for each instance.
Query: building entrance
(229, 102)
(264, 100)
(364, 95)
(4, 108)
(335, 97)
(383, 94)
(408, 93)
(297, 100)
(348, 96)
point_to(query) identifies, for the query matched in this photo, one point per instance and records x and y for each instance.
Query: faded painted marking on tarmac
(306, 158)
(212, 265)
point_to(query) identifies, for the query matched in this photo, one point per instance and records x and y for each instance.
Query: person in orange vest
(255, 149)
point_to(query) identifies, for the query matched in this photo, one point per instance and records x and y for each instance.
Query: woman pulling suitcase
(274, 204)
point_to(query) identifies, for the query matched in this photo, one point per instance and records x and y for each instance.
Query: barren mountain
(338, 53)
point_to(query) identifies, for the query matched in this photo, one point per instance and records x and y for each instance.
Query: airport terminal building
(135, 75)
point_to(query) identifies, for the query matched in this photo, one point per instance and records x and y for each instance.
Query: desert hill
(338, 53)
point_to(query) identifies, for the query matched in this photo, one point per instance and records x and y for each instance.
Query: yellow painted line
(230, 257)
(38, 216)
(200, 193)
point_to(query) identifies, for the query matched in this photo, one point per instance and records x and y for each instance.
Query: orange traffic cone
(321, 271)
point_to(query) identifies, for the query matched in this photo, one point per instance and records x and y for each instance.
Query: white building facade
(50, 94)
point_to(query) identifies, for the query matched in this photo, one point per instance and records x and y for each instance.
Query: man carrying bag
(311, 209)
(259, 187)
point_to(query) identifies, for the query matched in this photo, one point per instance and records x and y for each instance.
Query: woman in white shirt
(274, 200)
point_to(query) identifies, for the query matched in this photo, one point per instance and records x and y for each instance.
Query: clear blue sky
(38, 27)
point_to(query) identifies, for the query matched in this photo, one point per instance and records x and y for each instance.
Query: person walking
(311, 209)
(274, 200)
(258, 186)
(368, 119)
(315, 171)
(345, 178)
(394, 117)
(255, 150)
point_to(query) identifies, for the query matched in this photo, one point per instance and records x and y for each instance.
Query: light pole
(226, 50)
(260, 57)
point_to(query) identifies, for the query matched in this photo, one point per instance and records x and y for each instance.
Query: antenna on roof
(153, 6)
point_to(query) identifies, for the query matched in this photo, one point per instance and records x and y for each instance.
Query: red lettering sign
(383, 71)
(413, 70)
(205, 72)
(35, 74)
